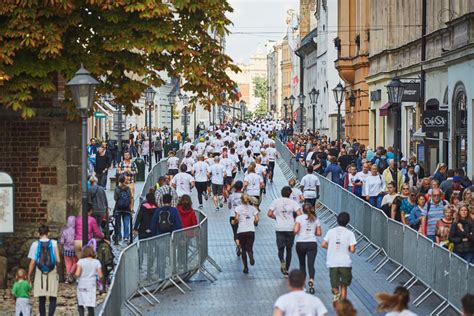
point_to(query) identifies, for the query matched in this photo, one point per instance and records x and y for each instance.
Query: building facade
(352, 63)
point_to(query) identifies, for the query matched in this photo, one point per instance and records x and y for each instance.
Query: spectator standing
(284, 210)
(340, 242)
(441, 172)
(462, 235)
(21, 292)
(410, 177)
(165, 188)
(405, 204)
(432, 213)
(306, 228)
(374, 187)
(67, 242)
(158, 148)
(392, 174)
(455, 188)
(142, 225)
(360, 178)
(186, 212)
(166, 218)
(334, 171)
(87, 272)
(387, 201)
(443, 226)
(395, 304)
(97, 201)
(122, 209)
(297, 302)
(44, 258)
(414, 218)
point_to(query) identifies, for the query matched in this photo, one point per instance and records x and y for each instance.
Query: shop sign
(411, 92)
(435, 121)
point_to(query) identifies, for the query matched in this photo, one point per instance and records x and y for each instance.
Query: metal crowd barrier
(442, 272)
(150, 265)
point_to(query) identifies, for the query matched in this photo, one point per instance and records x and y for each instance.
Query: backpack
(382, 163)
(164, 221)
(45, 258)
(123, 201)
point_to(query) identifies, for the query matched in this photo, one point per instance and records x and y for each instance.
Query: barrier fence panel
(410, 252)
(424, 265)
(378, 234)
(364, 215)
(204, 241)
(185, 247)
(154, 260)
(113, 302)
(470, 281)
(458, 277)
(395, 240)
(441, 263)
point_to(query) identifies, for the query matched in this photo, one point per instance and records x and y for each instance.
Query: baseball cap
(457, 179)
(404, 159)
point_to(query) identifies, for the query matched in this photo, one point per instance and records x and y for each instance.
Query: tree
(260, 92)
(125, 44)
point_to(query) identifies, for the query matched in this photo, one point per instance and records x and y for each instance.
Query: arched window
(459, 110)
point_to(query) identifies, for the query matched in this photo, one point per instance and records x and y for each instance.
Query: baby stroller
(106, 257)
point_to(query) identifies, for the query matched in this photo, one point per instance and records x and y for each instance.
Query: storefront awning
(384, 109)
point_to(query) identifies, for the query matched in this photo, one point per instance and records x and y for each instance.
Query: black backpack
(45, 258)
(164, 221)
(124, 199)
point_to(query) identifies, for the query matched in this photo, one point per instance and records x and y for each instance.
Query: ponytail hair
(398, 301)
(245, 199)
(308, 209)
(344, 307)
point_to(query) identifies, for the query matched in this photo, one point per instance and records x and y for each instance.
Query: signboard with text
(411, 92)
(434, 121)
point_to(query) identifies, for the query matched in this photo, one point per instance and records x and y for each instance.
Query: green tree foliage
(260, 91)
(123, 43)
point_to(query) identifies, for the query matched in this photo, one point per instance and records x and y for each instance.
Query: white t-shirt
(200, 171)
(307, 229)
(233, 201)
(189, 163)
(362, 176)
(254, 180)
(247, 161)
(260, 169)
(239, 147)
(228, 166)
(88, 273)
(247, 215)
(310, 182)
(283, 209)
(297, 303)
(183, 183)
(173, 163)
(404, 312)
(201, 147)
(295, 194)
(339, 239)
(34, 247)
(234, 158)
(217, 173)
(187, 147)
(256, 145)
(271, 153)
(217, 144)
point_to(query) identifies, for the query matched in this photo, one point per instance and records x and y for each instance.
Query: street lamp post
(172, 100)
(313, 97)
(395, 91)
(301, 98)
(82, 87)
(242, 106)
(338, 95)
(292, 102)
(185, 99)
(285, 105)
(150, 99)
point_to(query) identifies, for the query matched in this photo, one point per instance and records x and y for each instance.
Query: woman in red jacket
(186, 211)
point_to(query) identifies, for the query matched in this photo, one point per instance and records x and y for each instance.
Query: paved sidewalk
(235, 293)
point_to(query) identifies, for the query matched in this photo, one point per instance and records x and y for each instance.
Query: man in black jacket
(102, 165)
(142, 226)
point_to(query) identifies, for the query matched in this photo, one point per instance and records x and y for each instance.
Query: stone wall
(43, 157)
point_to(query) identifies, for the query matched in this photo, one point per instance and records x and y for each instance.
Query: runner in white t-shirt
(217, 173)
(340, 242)
(183, 182)
(284, 210)
(200, 172)
(307, 227)
(229, 167)
(310, 186)
(253, 182)
(272, 156)
(297, 302)
(173, 164)
(247, 217)
(234, 200)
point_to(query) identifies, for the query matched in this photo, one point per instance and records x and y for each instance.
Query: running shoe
(283, 268)
(206, 196)
(336, 297)
(252, 260)
(238, 250)
(200, 206)
(220, 202)
(217, 209)
(246, 270)
(311, 287)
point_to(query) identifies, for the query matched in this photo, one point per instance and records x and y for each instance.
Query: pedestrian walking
(306, 228)
(158, 148)
(21, 292)
(339, 242)
(297, 302)
(235, 199)
(67, 242)
(186, 212)
(88, 271)
(142, 225)
(102, 165)
(247, 217)
(44, 257)
(122, 210)
(98, 202)
(166, 218)
(284, 211)
(395, 304)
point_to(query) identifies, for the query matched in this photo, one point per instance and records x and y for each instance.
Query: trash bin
(140, 169)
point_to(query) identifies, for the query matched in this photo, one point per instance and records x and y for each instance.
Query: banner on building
(411, 92)
(435, 121)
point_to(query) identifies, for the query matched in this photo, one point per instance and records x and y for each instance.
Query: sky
(259, 21)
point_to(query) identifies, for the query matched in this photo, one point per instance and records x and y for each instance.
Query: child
(443, 227)
(88, 269)
(67, 241)
(20, 291)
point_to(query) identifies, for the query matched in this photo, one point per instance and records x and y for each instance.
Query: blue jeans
(431, 237)
(467, 256)
(376, 201)
(124, 217)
